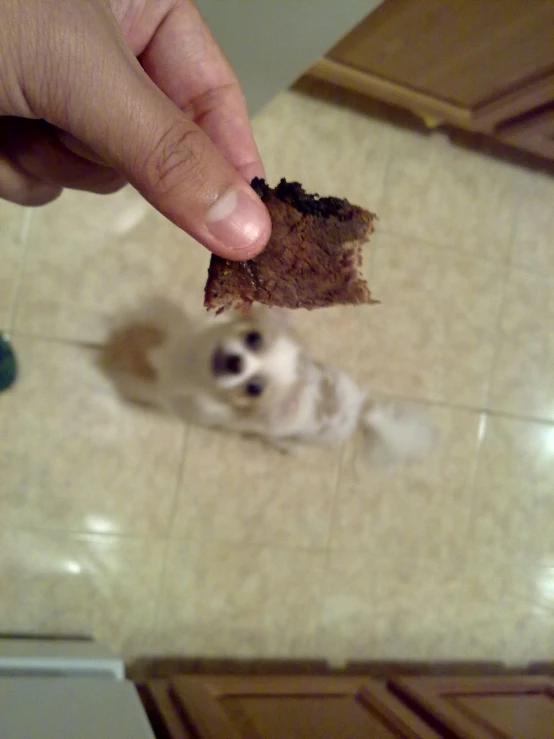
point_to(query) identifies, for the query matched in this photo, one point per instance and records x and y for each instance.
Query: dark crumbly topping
(294, 194)
(261, 188)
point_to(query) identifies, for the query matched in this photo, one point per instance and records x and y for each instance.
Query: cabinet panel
(534, 95)
(279, 707)
(483, 708)
(533, 132)
(465, 53)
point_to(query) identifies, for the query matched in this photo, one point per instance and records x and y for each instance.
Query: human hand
(98, 92)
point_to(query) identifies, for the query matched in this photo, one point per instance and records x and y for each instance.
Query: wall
(271, 42)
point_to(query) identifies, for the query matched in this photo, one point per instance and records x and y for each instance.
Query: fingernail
(237, 218)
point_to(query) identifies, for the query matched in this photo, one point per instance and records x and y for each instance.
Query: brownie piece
(313, 258)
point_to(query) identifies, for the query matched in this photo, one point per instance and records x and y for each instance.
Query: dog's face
(253, 360)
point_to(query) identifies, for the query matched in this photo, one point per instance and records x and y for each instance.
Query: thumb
(107, 101)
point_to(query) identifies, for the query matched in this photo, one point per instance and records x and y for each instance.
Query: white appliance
(67, 689)
(270, 43)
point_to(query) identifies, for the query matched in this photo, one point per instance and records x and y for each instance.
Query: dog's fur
(248, 374)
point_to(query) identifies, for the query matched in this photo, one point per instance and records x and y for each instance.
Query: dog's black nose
(233, 364)
(226, 364)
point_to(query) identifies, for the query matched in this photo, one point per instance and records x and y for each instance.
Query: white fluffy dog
(248, 374)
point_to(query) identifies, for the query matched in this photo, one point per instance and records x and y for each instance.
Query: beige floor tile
(413, 511)
(513, 485)
(334, 335)
(375, 607)
(238, 490)
(220, 599)
(90, 257)
(435, 608)
(542, 587)
(330, 149)
(73, 457)
(433, 335)
(12, 223)
(510, 632)
(533, 240)
(450, 557)
(505, 612)
(523, 377)
(449, 196)
(490, 579)
(545, 544)
(102, 586)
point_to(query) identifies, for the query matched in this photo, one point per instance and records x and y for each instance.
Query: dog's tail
(397, 432)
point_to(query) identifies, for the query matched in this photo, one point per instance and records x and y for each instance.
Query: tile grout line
(168, 538)
(334, 502)
(322, 588)
(512, 263)
(386, 173)
(180, 474)
(318, 627)
(371, 269)
(447, 248)
(83, 533)
(82, 343)
(24, 235)
(424, 401)
(497, 333)
(477, 409)
(483, 422)
(486, 414)
(498, 322)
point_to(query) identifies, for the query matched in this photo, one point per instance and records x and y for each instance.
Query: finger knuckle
(175, 158)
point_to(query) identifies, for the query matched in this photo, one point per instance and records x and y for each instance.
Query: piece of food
(313, 258)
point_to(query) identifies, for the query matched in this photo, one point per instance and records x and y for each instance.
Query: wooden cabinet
(280, 708)
(477, 63)
(481, 708)
(342, 707)
(533, 132)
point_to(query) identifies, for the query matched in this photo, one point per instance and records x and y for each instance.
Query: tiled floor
(160, 538)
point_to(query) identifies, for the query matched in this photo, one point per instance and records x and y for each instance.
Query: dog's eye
(254, 388)
(254, 340)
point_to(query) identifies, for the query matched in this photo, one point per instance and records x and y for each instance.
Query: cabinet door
(533, 132)
(522, 102)
(483, 708)
(462, 53)
(282, 708)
